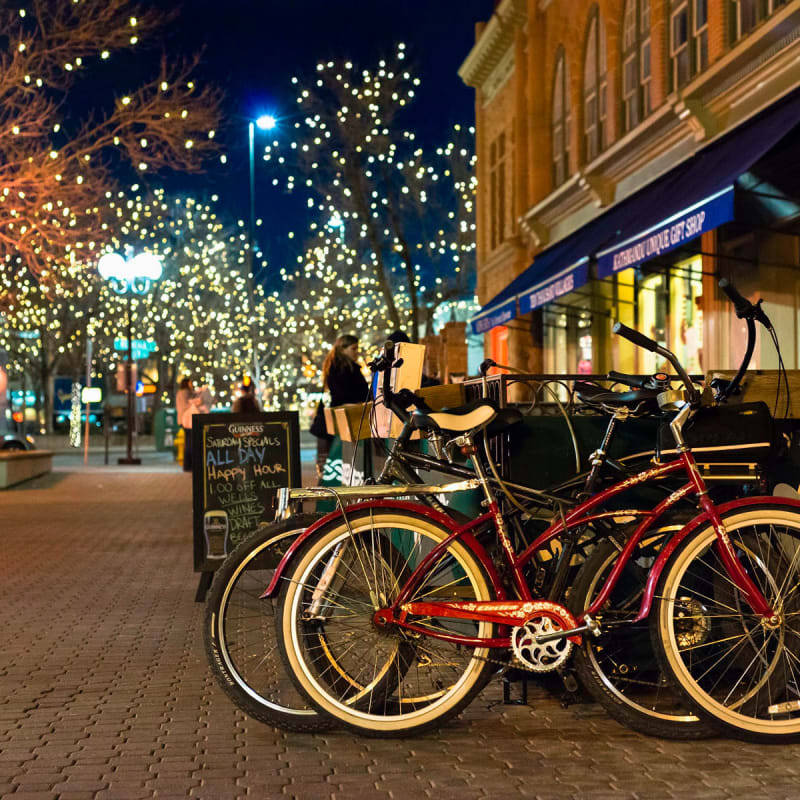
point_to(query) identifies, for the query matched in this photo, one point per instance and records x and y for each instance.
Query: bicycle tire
(617, 669)
(380, 683)
(736, 672)
(240, 637)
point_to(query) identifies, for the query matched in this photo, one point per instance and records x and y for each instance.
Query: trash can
(165, 427)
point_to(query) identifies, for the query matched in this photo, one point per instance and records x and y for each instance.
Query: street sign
(141, 347)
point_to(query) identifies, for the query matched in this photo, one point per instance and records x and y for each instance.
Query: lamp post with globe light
(129, 277)
(266, 122)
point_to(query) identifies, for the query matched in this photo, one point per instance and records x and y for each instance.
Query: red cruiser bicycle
(392, 615)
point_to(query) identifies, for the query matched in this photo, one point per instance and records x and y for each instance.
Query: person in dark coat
(342, 377)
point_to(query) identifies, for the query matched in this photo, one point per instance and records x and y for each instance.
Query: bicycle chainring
(541, 656)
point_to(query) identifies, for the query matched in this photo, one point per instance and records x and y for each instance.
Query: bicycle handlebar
(741, 305)
(641, 340)
(627, 380)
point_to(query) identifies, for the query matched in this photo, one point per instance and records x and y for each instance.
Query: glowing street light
(266, 122)
(128, 277)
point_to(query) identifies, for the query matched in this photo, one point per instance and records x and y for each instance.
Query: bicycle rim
(734, 669)
(381, 681)
(243, 640)
(619, 669)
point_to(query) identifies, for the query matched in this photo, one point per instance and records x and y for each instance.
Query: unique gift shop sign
(239, 461)
(668, 235)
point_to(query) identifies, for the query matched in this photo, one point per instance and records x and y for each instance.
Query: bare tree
(56, 161)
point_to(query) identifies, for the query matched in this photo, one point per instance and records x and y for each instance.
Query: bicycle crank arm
(590, 627)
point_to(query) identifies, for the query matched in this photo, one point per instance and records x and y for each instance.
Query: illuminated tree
(46, 327)
(62, 144)
(327, 293)
(199, 312)
(406, 215)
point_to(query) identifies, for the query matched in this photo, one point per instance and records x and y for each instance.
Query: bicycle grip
(740, 303)
(639, 339)
(628, 380)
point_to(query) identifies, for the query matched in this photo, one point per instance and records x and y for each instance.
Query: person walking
(342, 377)
(199, 404)
(183, 398)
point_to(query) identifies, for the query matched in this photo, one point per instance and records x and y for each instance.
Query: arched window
(688, 39)
(560, 124)
(595, 86)
(636, 104)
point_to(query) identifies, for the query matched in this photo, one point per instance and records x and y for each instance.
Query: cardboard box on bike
(353, 421)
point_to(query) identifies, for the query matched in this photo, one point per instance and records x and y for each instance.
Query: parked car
(17, 441)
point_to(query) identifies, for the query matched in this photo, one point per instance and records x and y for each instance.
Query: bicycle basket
(734, 434)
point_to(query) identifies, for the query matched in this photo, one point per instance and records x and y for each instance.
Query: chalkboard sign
(239, 461)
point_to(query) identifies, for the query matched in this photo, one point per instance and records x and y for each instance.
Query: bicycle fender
(385, 505)
(690, 527)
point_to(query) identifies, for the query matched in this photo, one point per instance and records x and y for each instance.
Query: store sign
(498, 316)
(668, 235)
(554, 287)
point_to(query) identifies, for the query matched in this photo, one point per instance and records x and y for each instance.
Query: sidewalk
(105, 691)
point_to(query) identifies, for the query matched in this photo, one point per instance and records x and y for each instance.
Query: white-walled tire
(381, 682)
(734, 670)
(240, 636)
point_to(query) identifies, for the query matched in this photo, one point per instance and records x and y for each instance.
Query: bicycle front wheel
(382, 681)
(240, 637)
(733, 668)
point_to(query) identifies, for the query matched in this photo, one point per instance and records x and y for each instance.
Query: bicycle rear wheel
(734, 669)
(240, 636)
(381, 681)
(619, 669)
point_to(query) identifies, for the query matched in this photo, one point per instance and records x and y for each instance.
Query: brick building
(629, 151)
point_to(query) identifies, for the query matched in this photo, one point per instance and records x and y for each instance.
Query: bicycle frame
(512, 612)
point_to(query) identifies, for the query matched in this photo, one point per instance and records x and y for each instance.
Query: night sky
(253, 49)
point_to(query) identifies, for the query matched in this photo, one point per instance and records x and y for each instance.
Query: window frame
(595, 92)
(636, 58)
(560, 125)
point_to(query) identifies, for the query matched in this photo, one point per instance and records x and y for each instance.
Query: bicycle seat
(470, 417)
(506, 417)
(596, 396)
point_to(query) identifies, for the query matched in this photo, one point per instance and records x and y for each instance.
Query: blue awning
(690, 199)
(550, 289)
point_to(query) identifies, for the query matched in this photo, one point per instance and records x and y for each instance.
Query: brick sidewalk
(105, 692)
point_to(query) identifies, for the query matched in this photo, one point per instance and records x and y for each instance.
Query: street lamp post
(266, 122)
(127, 278)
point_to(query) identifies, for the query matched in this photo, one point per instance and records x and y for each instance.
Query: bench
(17, 465)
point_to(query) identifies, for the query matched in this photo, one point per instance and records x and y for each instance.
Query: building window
(636, 104)
(746, 14)
(688, 39)
(595, 85)
(497, 190)
(560, 130)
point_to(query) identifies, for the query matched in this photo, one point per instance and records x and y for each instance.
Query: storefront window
(686, 317)
(652, 319)
(670, 313)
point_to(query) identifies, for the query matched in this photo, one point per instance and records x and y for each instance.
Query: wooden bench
(22, 465)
